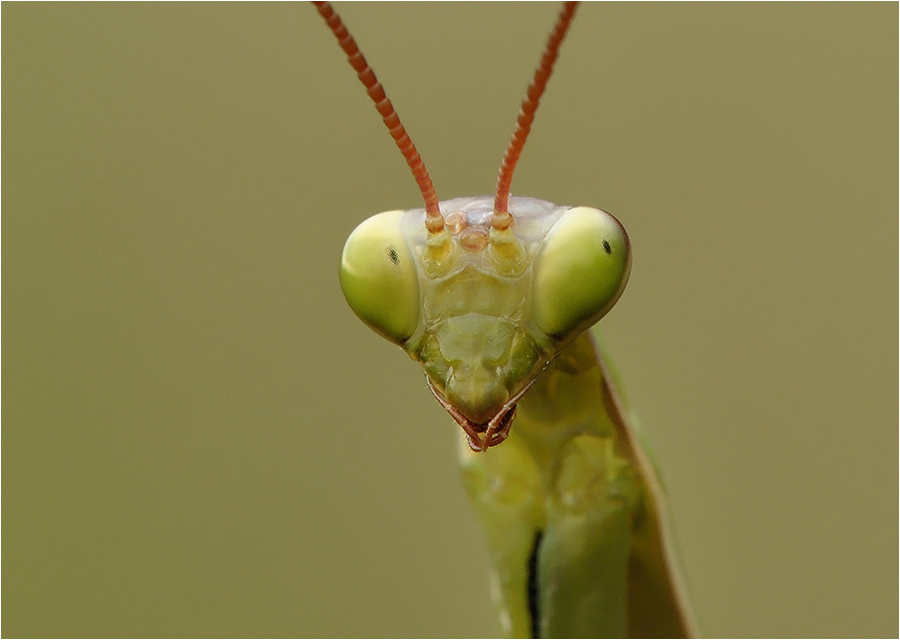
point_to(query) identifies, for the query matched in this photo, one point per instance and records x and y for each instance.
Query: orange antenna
(501, 218)
(434, 221)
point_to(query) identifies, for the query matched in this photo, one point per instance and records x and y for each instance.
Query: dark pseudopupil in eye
(394, 256)
(606, 247)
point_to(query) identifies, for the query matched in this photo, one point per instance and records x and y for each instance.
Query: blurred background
(200, 439)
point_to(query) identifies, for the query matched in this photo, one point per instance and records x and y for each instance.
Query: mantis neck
(574, 513)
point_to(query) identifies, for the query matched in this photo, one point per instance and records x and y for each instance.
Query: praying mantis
(494, 297)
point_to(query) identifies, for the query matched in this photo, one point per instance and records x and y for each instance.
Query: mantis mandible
(494, 297)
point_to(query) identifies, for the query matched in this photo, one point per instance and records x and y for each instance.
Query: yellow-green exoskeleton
(494, 297)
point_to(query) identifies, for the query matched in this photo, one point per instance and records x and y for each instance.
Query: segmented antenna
(501, 218)
(434, 221)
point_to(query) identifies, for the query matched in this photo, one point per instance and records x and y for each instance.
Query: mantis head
(484, 292)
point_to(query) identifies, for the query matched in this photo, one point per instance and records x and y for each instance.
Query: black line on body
(533, 589)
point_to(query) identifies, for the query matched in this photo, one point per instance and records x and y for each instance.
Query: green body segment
(572, 478)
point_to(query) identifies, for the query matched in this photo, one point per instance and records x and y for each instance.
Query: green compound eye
(378, 277)
(580, 272)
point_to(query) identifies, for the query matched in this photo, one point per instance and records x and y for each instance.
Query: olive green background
(199, 438)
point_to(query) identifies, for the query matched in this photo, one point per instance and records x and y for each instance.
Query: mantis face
(483, 292)
(483, 311)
